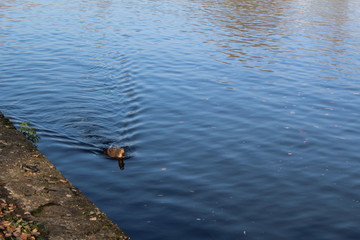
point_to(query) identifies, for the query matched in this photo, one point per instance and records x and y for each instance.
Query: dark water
(241, 116)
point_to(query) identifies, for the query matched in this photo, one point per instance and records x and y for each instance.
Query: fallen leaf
(6, 223)
(35, 233)
(25, 236)
(10, 228)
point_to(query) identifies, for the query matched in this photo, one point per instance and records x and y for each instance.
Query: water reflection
(252, 32)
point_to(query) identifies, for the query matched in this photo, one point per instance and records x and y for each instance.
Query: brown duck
(115, 152)
(118, 153)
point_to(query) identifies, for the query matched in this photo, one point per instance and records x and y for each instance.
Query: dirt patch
(43, 197)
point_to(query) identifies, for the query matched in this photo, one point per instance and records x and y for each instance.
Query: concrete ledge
(43, 195)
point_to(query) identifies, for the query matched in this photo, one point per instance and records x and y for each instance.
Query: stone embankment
(38, 202)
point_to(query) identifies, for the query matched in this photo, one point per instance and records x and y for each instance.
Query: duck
(115, 152)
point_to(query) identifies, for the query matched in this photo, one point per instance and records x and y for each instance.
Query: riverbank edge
(43, 195)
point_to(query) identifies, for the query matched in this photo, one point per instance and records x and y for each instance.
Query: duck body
(115, 152)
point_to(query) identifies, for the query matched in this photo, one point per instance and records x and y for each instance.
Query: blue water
(241, 117)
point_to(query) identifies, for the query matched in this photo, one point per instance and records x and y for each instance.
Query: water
(241, 117)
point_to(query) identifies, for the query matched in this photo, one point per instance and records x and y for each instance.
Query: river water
(240, 117)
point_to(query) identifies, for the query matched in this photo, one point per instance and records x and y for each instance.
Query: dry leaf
(10, 228)
(6, 223)
(25, 236)
(7, 234)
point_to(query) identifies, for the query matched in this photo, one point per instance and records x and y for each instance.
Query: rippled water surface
(241, 117)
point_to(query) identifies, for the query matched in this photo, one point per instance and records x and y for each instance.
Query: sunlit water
(241, 117)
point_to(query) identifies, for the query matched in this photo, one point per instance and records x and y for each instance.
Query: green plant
(29, 132)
